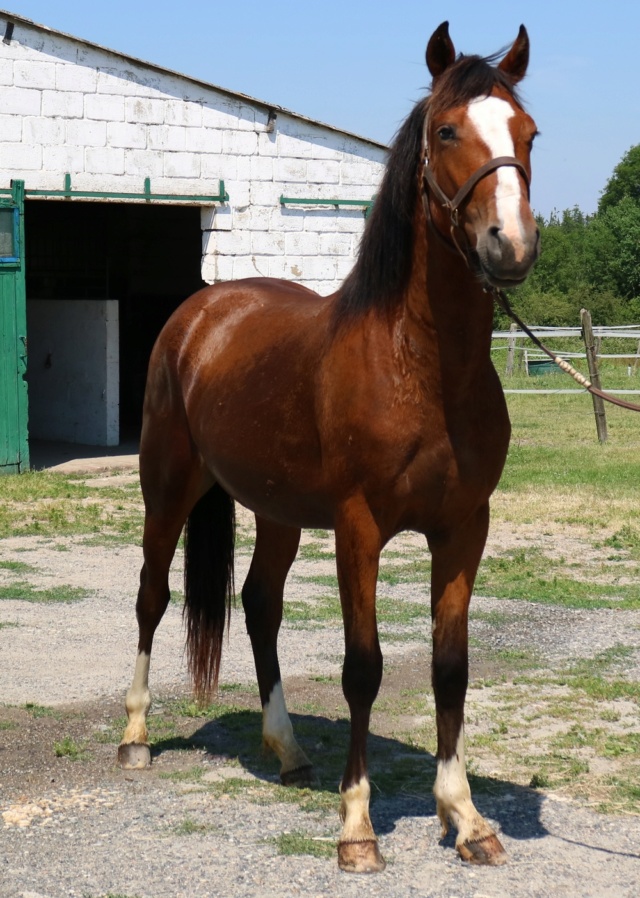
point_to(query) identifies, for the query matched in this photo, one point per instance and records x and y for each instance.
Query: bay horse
(370, 412)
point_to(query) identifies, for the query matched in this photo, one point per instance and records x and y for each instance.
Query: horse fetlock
(443, 818)
(476, 841)
(137, 704)
(354, 813)
(277, 735)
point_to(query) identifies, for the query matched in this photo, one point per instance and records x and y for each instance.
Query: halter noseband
(454, 205)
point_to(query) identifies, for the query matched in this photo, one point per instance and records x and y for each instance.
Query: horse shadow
(402, 775)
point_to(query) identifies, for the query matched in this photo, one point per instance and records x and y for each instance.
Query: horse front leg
(358, 547)
(455, 562)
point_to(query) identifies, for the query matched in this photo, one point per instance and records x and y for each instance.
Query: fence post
(594, 376)
(511, 352)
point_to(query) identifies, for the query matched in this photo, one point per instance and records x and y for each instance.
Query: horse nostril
(495, 244)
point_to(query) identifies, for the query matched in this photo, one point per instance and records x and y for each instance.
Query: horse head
(477, 146)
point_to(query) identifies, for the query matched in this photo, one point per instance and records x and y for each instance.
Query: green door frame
(14, 433)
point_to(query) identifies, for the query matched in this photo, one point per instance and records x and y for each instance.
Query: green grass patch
(69, 748)
(299, 843)
(191, 775)
(316, 552)
(626, 539)
(45, 503)
(40, 710)
(326, 608)
(189, 827)
(529, 574)
(22, 591)
(17, 567)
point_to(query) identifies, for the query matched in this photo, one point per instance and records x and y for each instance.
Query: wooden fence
(535, 361)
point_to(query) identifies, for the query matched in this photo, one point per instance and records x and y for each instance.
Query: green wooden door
(14, 444)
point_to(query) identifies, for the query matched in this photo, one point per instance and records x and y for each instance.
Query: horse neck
(446, 311)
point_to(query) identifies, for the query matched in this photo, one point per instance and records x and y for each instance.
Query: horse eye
(446, 133)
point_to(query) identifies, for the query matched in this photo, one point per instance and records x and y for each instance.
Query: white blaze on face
(490, 116)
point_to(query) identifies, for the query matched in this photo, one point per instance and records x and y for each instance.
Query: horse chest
(454, 470)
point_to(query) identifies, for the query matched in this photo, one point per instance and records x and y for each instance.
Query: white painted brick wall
(104, 108)
(66, 106)
(11, 128)
(62, 104)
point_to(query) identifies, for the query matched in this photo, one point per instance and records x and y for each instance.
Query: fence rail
(627, 331)
(537, 362)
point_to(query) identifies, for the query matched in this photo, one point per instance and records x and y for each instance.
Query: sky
(359, 65)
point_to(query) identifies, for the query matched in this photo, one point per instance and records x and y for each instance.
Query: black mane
(382, 271)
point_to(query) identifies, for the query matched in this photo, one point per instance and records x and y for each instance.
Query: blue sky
(360, 65)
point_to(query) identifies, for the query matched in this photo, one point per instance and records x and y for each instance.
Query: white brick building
(140, 184)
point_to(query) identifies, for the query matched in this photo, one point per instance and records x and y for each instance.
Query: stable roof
(15, 18)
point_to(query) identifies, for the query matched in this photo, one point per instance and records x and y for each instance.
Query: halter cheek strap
(454, 205)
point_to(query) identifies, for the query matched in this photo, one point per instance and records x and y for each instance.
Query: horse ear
(517, 59)
(440, 50)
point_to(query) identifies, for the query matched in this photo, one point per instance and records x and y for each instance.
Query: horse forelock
(380, 277)
(467, 79)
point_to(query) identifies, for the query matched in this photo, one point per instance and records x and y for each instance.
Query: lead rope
(501, 299)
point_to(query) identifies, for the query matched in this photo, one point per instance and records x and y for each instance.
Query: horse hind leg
(166, 510)
(153, 597)
(262, 597)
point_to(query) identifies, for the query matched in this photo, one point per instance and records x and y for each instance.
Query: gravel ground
(119, 834)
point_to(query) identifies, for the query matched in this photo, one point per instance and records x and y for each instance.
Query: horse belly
(285, 485)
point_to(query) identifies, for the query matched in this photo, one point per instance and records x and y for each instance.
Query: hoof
(487, 852)
(360, 857)
(302, 777)
(133, 756)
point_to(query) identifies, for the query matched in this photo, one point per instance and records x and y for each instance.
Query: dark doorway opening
(148, 257)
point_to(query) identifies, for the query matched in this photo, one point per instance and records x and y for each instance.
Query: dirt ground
(208, 818)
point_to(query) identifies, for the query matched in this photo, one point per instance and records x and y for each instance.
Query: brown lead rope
(502, 300)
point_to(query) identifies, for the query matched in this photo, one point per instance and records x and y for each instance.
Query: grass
(25, 592)
(299, 843)
(39, 710)
(48, 504)
(189, 827)
(67, 747)
(17, 567)
(531, 575)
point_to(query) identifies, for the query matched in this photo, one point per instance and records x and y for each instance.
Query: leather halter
(454, 205)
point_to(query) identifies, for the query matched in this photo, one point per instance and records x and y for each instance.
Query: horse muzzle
(504, 261)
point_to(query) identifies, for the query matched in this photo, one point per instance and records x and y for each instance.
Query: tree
(613, 249)
(624, 182)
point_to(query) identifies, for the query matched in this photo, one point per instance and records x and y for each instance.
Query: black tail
(209, 539)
